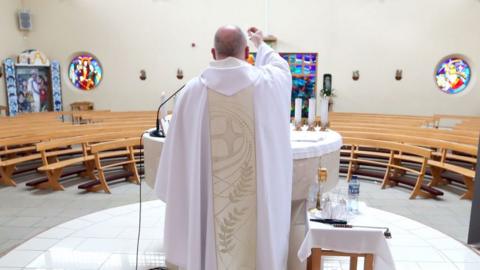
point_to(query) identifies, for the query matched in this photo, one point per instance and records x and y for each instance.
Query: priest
(225, 171)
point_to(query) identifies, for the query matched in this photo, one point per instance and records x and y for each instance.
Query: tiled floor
(107, 240)
(25, 213)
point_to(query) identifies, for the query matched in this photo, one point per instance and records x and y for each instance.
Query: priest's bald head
(230, 41)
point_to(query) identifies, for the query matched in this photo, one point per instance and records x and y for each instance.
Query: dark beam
(474, 230)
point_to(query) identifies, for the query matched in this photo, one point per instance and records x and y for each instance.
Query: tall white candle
(311, 111)
(324, 111)
(298, 111)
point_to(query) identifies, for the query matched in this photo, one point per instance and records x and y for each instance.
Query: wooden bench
(54, 168)
(103, 154)
(22, 149)
(391, 158)
(25, 153)
(441, 159)
(444, 135)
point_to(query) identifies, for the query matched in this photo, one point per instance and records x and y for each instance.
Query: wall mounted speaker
(24, 20)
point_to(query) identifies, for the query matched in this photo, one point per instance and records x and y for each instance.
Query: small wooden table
(315, 260)
(324, 240)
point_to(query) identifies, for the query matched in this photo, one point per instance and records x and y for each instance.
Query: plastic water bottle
(353, 193)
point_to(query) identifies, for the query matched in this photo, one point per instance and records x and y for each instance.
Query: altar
(309, 154)
(310, 151)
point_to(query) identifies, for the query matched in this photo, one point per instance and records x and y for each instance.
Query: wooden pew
(395, 153)
(21, 150)
(54, 168)
(103, 152)
(447, 135)
(440, 160)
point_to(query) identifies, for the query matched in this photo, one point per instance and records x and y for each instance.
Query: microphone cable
(142, 167)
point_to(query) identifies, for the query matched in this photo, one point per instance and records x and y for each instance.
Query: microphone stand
(159, 132)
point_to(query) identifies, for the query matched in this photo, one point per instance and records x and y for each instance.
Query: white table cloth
(353, 240)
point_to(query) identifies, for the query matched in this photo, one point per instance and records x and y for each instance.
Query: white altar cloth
(308, 156)
(353, 240)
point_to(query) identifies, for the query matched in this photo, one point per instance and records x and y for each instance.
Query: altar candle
(298, 111)
(311, 111)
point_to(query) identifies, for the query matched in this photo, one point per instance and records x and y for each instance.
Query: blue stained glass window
(453, 75)
(85, 72)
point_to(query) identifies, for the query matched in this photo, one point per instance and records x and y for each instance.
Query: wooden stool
(315, 260)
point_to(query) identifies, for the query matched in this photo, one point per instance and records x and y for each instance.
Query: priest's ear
(247, 52)
(214, 54)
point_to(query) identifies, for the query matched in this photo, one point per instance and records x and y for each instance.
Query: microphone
(159, 132)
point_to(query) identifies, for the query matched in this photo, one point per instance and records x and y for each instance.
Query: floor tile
(407, 266)
(23, 221)
(128, 261)
(437, 266)
(68, 259)
(39, 244)
(468, 266)
(69, 243)
(416, 254)
(461, 255)
(19, 258)
(56, 233)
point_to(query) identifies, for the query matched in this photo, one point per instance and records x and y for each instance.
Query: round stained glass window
(85, 72)
(453, 75)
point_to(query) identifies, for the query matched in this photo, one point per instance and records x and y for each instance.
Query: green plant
(327, 93)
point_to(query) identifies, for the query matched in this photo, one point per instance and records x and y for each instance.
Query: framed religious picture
(33, 89)
(32, 83)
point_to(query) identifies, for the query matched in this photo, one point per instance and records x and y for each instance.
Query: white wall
(11, 40)
(374, 36)
(377, 37)
(130, 35)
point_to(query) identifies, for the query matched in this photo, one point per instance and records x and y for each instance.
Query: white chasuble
(225, 171)
(232, 140)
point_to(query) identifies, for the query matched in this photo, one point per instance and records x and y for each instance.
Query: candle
(311, 111)
(298, 111)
